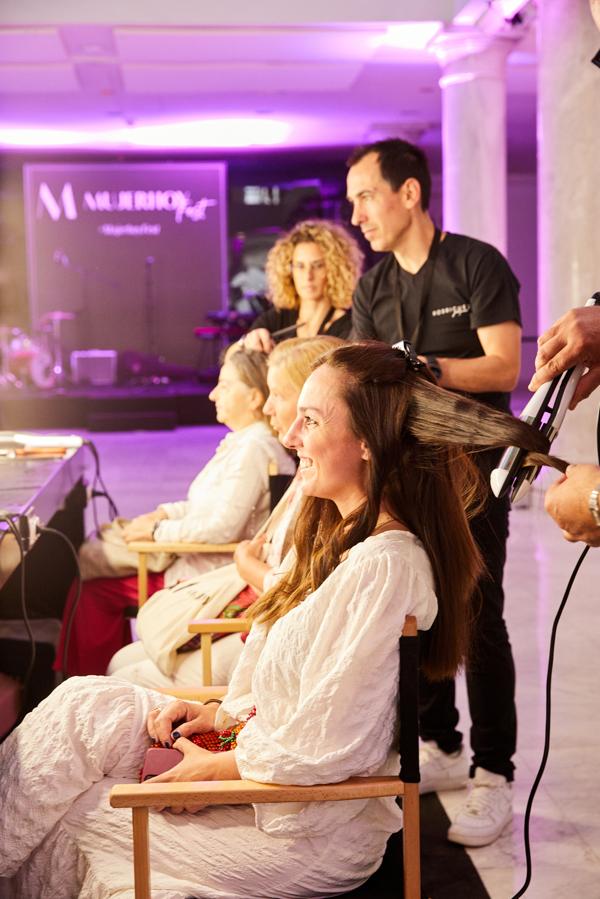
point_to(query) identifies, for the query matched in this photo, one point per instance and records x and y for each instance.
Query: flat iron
(545, 411)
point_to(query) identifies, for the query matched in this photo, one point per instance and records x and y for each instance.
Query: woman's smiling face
(332, 459)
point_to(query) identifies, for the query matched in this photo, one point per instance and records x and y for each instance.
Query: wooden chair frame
(278, 483)
(141, 797)
(144, 547)
(206, 627)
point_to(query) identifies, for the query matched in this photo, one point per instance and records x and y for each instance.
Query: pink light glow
(205, 133)
(510, 8)
(411, 35)
(212, 133)
(10, 136)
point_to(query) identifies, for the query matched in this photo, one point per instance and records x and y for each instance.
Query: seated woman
(383, 534)
(311, 274)
(226, 502)
(150, 662)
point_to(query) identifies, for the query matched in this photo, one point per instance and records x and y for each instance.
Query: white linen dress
(324, 681)
(132, 663)
(226, 502)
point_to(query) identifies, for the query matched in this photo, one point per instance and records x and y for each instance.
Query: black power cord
(76, 598)
(99, 481)
(22, 537)
(547, 727)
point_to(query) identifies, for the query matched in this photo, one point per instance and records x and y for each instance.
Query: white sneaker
(486, 812)
(442, 770)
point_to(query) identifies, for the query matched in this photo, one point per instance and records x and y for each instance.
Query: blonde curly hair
(343, 259)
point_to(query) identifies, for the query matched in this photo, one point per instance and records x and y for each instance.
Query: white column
(474, 134)
(568, 183)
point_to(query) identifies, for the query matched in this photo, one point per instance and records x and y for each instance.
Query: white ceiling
(328, 82)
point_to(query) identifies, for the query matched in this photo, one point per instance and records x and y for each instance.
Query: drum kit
(36, 360)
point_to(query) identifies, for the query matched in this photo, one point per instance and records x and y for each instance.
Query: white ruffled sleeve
(232, 487)
(336, 716)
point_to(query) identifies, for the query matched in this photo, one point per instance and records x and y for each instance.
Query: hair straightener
(546, 411)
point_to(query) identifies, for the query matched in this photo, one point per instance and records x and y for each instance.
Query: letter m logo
(54, 207)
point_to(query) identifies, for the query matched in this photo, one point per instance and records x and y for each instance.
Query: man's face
(382, 214)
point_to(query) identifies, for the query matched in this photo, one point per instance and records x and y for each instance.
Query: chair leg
(142, 578)
(141, 853)
(206, 650)
(411, 841)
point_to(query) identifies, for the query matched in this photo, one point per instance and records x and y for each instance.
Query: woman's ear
(364, 451)
(256, 401)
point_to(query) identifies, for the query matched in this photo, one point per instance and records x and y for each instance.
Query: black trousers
(490, 670)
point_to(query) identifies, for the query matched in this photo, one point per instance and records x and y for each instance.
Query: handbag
(107, 555)
(162, 621)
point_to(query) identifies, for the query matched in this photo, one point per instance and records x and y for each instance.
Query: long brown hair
(420, 472)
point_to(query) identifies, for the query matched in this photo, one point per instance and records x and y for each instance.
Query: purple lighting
(219, 133)
(213, 133)
(411, 35)
(11, 136)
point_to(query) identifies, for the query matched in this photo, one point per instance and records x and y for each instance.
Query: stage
(145, 407)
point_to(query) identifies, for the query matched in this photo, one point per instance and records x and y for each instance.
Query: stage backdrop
(137, 251)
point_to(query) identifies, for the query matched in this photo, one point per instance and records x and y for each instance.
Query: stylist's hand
(190, 718)
(259, 339)
(573, 340)
(567, 502)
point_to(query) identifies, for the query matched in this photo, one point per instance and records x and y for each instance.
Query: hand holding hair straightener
(546, 411)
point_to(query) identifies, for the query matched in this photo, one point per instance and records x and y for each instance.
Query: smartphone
(158, 760)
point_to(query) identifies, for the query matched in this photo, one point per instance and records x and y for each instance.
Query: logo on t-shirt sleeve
(452, 311)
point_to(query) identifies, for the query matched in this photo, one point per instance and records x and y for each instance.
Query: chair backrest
(278, 484)
(408, 702)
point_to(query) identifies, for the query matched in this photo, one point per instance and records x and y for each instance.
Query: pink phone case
(158, 760)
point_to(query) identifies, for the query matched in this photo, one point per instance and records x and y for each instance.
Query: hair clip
(407, 351)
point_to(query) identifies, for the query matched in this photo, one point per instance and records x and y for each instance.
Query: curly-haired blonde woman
(311, 273)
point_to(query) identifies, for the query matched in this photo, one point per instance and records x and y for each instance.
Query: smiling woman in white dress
(383, 533)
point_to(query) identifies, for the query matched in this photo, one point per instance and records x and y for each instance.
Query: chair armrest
(218, 626)
(199, 693)
(180, 547)
(244, 792)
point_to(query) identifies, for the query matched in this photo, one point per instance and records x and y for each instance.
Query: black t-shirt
(274, 319)
(472, 287)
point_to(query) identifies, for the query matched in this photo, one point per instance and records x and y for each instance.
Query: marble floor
(143, 468)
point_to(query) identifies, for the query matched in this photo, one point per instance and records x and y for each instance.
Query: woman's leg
(87, 729)
(127, 656)
(99, 626)
(132, 664)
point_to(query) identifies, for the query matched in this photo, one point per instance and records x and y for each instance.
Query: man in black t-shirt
(456, 299)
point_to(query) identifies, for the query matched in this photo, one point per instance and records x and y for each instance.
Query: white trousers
(132, 664)
(60, 839)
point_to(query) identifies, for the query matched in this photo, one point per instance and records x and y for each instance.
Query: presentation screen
(135, 252)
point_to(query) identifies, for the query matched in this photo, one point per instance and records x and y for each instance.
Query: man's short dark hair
(398, 160)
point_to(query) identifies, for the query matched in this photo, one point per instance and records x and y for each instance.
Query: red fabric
(100, 627)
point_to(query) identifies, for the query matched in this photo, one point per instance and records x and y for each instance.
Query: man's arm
(497, 370)
(573, 340)
(567, 501)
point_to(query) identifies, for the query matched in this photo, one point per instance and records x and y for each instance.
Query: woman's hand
(190, 718)
(140, 527)
(250, 549)
(248, 557)
(197, 764)
(259, 339)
